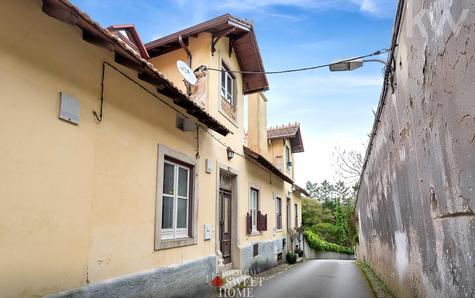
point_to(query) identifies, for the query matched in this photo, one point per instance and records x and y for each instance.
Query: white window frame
(164, 238)
(175, 232)
(288, 157)
(229, 97)
(253, 207)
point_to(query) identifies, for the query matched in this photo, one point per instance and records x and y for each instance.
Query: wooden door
(225, 225)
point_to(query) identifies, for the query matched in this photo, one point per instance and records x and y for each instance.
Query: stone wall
(266, 257)
(312, 254)
(190, 279)
(417, 196)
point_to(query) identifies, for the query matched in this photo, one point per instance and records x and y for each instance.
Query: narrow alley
(317, 278)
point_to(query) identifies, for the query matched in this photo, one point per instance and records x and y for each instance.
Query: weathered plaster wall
(417, 196)
(266, 257)
(77, 203)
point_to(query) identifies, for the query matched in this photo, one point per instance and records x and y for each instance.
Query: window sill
(176, 242)
(255, 233)
(279, 230)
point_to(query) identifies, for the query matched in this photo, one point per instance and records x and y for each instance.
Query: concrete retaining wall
(417, 194)
(185, 280)
(312, 254)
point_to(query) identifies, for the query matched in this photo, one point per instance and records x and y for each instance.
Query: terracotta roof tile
(283, 131)
(289, 131)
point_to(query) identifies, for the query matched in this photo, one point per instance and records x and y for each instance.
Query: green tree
(341, 224)
(326, 231)
(312, 189)
(313, 213)
(331, 212)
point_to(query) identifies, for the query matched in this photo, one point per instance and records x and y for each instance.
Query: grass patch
(316, 243)
(379, 288)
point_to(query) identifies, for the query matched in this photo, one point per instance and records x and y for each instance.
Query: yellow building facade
(129, 202)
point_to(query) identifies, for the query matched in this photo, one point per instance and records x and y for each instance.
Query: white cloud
(332, 84)
(380, 8)
(253, 4)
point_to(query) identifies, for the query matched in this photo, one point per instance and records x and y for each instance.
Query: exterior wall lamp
(349, 65)
(230, 153)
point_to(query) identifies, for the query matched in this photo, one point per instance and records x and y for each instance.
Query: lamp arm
(375, 60)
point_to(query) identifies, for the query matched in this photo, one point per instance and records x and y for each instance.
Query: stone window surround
(259, 194)
(178, 242)
(281, 212)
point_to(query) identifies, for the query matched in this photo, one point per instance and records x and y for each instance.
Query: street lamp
(349, 65)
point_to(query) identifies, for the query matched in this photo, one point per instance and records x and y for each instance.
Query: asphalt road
(317, 278)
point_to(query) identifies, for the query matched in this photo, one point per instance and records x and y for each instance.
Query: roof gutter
(384, 93)
(267, 164)
(234, 24)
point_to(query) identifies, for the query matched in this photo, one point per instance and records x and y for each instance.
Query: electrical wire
(179, 112)
(239, 154)
(99, 117)
(377, 53)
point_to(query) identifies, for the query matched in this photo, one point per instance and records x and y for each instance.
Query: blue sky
(334, 109)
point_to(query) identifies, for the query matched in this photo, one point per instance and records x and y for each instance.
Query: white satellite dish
(186, 72)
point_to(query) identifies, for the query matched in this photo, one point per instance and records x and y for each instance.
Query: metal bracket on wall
(217, 36)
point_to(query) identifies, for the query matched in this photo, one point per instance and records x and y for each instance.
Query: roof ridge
(289, 125)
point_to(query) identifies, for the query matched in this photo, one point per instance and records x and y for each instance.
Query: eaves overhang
(301, 190)
(93, 33)
(242, 40)
(267, 164)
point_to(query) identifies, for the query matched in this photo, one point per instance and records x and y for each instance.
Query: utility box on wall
(207, 232)
(69, 108)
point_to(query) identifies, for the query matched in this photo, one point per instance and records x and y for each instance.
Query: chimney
(257, 123)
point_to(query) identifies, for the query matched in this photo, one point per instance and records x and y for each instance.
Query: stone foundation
(190, 279)
(266, 258)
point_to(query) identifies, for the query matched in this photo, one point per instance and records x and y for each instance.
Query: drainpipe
(189, 57)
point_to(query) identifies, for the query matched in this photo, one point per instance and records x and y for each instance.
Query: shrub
(291, 258)
(316, 243)
(327, 231)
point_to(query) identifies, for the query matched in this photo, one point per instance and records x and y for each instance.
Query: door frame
(235, 253)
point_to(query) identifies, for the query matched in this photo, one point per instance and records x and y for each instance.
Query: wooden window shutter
(248, 223)
(261, 221)
(264, 220)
